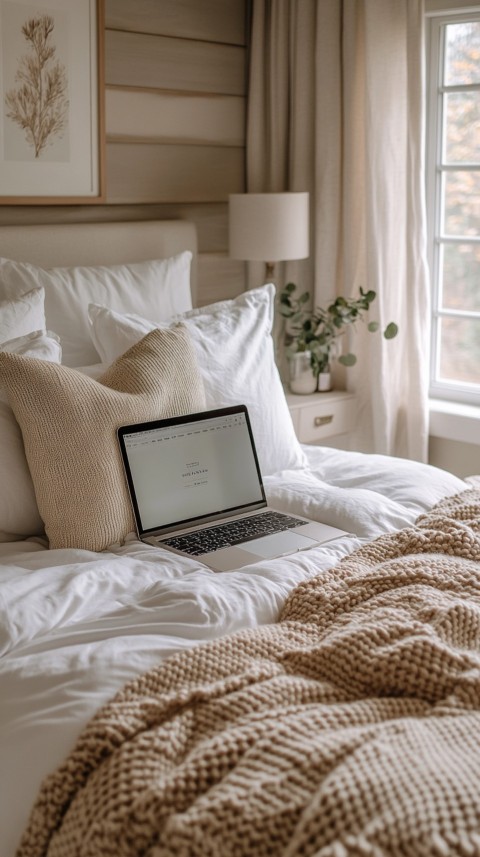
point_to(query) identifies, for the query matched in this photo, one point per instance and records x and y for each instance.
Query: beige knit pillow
(69, 423)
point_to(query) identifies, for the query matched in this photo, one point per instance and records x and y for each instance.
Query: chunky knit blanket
(350, 727)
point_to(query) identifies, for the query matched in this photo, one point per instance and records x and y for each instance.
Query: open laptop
(196, 489)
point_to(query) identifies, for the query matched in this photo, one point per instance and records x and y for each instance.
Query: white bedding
(75, 625)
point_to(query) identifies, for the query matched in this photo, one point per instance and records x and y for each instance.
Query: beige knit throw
(351, 727)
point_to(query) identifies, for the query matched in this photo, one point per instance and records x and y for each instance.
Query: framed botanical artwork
(51, 102)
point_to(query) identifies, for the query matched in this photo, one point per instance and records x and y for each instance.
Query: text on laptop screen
(182, 472)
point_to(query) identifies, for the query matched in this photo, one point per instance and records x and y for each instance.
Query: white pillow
(156, 289)
(42, 344)
(235, 353)
(19, 515)
(21, 315)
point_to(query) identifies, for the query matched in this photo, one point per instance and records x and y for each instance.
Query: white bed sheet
(74, 625)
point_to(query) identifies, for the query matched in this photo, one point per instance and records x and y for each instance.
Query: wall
(175, 93)
(454, 442)
(459, 457)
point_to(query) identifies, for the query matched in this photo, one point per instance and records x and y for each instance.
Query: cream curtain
(336, 108)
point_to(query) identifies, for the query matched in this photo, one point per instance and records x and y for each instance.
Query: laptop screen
(185, 469)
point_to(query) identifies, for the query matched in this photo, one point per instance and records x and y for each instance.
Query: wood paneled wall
(175, 105)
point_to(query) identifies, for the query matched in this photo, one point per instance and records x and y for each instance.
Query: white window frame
(443, 390)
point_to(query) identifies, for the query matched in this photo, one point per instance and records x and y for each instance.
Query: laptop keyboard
(233, 533)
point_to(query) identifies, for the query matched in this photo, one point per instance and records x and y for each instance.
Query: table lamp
(268, 227)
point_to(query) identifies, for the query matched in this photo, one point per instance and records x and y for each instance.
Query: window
(453, 199)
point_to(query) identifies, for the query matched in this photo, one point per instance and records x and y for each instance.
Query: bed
(324, 703)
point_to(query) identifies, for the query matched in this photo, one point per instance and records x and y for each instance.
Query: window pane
(462, 51)
(462, 203)
(461, 277)
(462, 128)
(460, 350)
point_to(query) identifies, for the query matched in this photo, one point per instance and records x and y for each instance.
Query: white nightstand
(325, 418)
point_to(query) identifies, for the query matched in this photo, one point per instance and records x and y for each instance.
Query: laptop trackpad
(266, 547)
(277, 544)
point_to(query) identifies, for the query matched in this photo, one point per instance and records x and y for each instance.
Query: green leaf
(347, 359)
(372, 326)
(391, 330)
(289, 288)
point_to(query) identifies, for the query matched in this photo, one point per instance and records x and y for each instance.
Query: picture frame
(52, 116)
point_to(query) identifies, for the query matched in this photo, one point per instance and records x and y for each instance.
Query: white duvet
(74, 625)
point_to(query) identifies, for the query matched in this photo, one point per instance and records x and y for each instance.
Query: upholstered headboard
(72, 244)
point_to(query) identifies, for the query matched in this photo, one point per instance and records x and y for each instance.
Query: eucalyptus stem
(318, 330)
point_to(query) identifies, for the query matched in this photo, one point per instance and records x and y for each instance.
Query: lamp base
(269, 271)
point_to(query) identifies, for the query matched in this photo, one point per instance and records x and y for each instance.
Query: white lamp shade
(268, 227)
